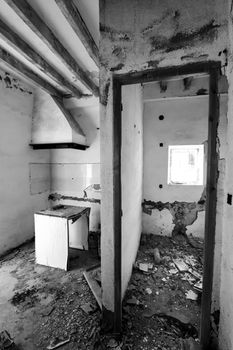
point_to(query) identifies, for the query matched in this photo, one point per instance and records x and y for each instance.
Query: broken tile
(133, 301)
(148, 291)
(88, 308)
(48, 310)
(181, 265)
(143, 267)
(191, 295)
(56, 345)
(195, 273)
(198, 286)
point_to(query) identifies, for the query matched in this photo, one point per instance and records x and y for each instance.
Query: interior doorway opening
(123, 193)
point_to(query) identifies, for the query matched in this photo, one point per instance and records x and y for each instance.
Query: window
(185, 165)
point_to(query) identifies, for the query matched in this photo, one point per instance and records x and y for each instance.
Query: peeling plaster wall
(72, 171)
(131, 175)
(185, 123)
(184, 105)
(24, 186)
(136, 35)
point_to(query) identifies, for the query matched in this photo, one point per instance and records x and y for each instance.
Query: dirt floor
(42, 306)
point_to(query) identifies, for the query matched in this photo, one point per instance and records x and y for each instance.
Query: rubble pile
(162, 304)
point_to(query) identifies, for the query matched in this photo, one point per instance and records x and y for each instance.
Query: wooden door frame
(212, 68)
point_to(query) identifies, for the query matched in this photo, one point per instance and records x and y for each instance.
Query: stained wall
(25, 176)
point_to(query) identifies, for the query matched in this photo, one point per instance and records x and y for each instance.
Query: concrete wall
(131, 175)
(136, 35)
(25, 176)
(72, 171)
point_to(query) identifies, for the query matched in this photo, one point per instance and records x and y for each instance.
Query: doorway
(213, 70)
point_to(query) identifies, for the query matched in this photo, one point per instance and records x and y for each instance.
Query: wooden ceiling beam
(40, 28)
(21, 68)
(15, 41)
(73, 16)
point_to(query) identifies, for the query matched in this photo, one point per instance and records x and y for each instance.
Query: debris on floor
(191, 295)
(180, 264)
(88, 308)
(162, 305)
(190, 344)
(43, 307)
(48, 308)
(157, 257)
(93, 278)
(6, 342)
(57, 344)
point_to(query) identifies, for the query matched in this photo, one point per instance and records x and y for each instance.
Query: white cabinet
(57, 230)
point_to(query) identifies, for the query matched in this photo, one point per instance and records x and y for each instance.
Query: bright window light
(185, 165)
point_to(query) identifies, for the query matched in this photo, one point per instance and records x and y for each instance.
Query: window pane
(185, 165)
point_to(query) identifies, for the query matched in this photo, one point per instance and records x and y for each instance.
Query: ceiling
(50, 13)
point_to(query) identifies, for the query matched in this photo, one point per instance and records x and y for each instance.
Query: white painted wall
(131, 177)
(49, 123)
(24, 186)
(185, 123)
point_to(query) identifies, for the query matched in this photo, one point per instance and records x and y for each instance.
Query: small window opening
(185, 165)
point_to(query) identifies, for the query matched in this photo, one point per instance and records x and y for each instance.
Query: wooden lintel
(73, 16)
(72, 122)
(15, 41)
(40, 28)
(21, 68)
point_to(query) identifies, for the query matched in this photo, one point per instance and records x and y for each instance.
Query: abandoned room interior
(116, 154)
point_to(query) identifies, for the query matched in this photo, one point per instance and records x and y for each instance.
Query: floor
(42, 306)
(157, 311)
